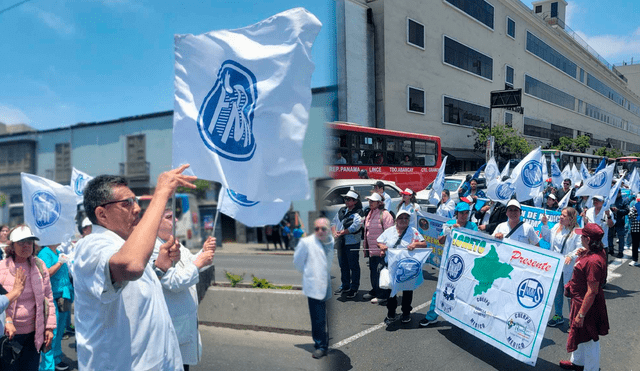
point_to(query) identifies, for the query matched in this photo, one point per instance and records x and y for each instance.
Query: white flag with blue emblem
(49, 209)
(566, 173)
(576, 177)
(500, 191)
(527, 175)
(438, 184)
(556, 174)
(251, 213)
(613, 193)
(634, 181)
(491, 172)
(598, 184)
(242, 101)
(405, 268)
(584, 172)
(79, 180)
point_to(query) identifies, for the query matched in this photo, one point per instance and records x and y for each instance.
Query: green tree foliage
(509, 142)
(579, 144)
(608, 152)
(202, 186)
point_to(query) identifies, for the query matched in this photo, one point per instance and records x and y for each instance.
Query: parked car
(330, 193)
(453, 184)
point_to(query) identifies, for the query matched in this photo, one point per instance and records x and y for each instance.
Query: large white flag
(242, 101)
(405, 268)
(500, 191)
(527, 176)
(634, 181)
(556, 174)
(576, 177)
(584, 172)
(491, 172)
(49, 209)
(251, 213)
(79, 180)
(598, 184)
(566, 172)
(505, 170)
(438, 184)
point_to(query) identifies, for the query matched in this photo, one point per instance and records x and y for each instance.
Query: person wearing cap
(410, 205)
(377, 221)
(446, 206)
(634, 226)
(31, 319)
(514, 228)
(460, 220)
(598, 215)
(86, 227)
(346, 229)
(563, 240)
(122, 320)
(379, 189)
(589, 318)
(552, 203)
(620, 209)
(400, 236)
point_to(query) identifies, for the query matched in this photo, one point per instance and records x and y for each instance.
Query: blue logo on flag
(79, 184)
(225, 121)
(532, 174)
(455, 267)
(598, 180)
(555, 171)
(530, 293)
(45, 208)
(241, 199)
(408, 269)
(504, 191)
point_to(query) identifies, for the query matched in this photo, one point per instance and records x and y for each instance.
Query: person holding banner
(446, 206)
(122, 320)
(589, 318)
(400, 236)
(515, 228)
(562, 240)
(377, 221)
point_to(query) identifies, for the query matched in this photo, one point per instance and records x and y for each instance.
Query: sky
(69, 61)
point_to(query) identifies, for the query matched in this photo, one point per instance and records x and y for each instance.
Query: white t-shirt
(124, 326)
(525, 233)
(391, 235)
(601, 220)
(446, 209)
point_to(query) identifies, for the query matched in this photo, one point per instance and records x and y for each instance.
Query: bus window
(425, 153)
(406, 146)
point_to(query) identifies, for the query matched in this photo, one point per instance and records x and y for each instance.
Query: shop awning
(464, 154)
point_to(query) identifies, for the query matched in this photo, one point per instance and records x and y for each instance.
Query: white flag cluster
(242, 101)
(598, 184)
(527, 176)
(49, 209)
(556, 174)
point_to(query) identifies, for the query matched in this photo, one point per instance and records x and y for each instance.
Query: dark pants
(348, 256)
(620, 232)
(29, 359)
(318, 312)
(635, 243)
(392, 304)
(374, 275)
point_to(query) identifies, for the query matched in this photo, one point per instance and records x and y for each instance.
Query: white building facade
(434, 64)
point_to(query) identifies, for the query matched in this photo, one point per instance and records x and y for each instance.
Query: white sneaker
(374, 301)
(634, 264)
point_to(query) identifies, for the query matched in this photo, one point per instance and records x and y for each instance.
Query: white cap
(351, 194)
(407, 191)
(402, 212)
(552, 196)
(514, 203)
(21, 233)
(598, 197)
(86, 222)
(374, 197)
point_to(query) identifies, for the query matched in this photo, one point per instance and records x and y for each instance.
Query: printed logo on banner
(46, 209)
(481, 318)
(448, 301)
(225, 121)
(79, 185)
(598, 180)
(241, 199)
(408, 269)
(520, 330)
(455, 267)
(532, 174)
(530, 293)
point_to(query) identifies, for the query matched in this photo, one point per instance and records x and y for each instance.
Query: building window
(416, 100)
(415, 33)
(62, 173)
(479, 10)
(554, 10)
(508, 77)
(548, 93)
(545, 130)
(605, 90)
(511, 27)
(464, 113)
(538, 9)
(550, 55)
(463, 57)
(508, 119)
(582, 75)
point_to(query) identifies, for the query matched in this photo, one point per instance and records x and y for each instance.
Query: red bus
(408, 159)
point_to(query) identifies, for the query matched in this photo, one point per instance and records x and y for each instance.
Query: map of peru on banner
(500, 292)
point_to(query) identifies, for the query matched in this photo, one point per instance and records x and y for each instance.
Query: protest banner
(430, 227)
(499, 291)
(533, 216)
(241, 107)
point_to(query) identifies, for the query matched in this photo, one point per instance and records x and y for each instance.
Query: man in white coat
(179, 289)
(313, 257)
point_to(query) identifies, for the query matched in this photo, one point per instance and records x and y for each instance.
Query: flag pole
(215, 220)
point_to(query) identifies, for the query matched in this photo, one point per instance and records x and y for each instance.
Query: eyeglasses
(127, 202)
(324, 229)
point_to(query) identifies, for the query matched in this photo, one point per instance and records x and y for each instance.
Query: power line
(13, 6)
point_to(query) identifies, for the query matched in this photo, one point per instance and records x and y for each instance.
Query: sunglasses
(127, 202)
(324, 229)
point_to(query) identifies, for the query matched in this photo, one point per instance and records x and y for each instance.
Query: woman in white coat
(179, 288)
(565, 241)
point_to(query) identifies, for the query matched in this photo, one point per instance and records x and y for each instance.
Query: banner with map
(500, 292)
(430, 227)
